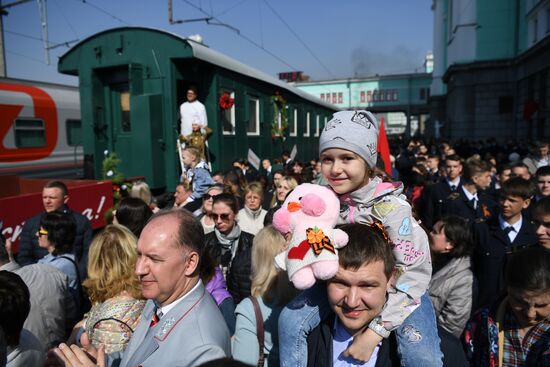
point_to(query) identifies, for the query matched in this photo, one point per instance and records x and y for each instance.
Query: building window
(322, 96)
(381, 95)
(29, 133)
(317, 127)
(306, 128)
(293, 124)
(362, 96)
(375, 96)
(228, 118)
(388, 95)
(253, 126)
(340, 98)
(395, 96)
(334, 97)
(74, 132)
(422, 94)
(369, 96)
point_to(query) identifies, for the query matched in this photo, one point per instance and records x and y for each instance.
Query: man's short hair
(189, 232)
(434, 156)
(61, 229)
(503, 167)
(520, 165)
(518, 186)
(542, 207)
(543, 171)
(473, 168)
(58, 185)
(528, 269)
(454, 157)
(366, 244)
(15, 305)
(193, 89)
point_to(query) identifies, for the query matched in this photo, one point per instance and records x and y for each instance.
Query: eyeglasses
(224, 217)
(208, 196)
(42, 232)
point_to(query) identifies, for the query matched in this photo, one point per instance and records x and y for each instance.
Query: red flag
(384, 147)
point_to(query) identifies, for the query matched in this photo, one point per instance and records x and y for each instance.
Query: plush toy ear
(313, 205)
(281, 220)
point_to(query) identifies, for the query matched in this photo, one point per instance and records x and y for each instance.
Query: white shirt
(517, 226)
(470, 196)
(164, 309)
(192, 112)
(456, 182)
(341, 340)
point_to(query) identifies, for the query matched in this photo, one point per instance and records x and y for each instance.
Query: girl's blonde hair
(111, 263)
(141, 191)
(268, 282)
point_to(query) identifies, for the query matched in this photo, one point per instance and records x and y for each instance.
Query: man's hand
(73, 356)
(9, 250)
(363, 345)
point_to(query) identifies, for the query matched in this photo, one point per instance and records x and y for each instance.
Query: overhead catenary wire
(104, 11)
(240, 34)
(298, 38)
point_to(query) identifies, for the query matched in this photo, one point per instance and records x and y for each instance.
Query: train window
(228, 118)
(29, 133)
(293, 125)
(306, 128)
(253, 127)
(125, 111)
(317, 122)
(74, 132)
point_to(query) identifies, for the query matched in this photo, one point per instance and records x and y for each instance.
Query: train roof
(205, 53)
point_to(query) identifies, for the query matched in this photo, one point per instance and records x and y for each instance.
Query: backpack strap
(81, 294)
(259, 329)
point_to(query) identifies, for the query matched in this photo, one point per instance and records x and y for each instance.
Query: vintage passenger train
(131, 83)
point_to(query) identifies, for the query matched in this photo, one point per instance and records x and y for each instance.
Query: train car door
(136, 128)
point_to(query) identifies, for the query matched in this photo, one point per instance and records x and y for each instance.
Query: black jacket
(491, 252)
(458, 204)
(30, 252)
(433, 200)
(238, 276)
(319, 347)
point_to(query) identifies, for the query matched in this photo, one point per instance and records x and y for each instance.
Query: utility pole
(2, 55)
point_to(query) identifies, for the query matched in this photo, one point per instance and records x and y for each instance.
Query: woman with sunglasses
(56, 234)
(206, 208)
(230, 246)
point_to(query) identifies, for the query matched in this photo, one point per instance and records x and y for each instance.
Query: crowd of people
(447, 263)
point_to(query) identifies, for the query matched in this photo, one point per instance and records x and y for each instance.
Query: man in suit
(55, 196)
(181, 324)
(434, 195)
(470, 201)
(502, 235)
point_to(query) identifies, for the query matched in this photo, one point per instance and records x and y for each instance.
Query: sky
(324, 39)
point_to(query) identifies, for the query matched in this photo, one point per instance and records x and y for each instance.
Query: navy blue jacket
(491, 252)
(433, 200)
(30, 252)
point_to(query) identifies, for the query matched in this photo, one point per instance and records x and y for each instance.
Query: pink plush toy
(310, 213)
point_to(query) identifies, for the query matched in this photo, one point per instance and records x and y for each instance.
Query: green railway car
(133, 80)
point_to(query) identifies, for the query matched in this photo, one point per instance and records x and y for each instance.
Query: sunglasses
(42, 232)
(208, 196)
(224, 217)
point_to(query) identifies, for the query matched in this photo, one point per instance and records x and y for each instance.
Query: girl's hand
(362, 346)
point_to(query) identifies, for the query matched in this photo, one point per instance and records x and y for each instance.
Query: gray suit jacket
(191, 333)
